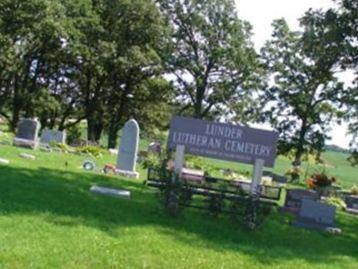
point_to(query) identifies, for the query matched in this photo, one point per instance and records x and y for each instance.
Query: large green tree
(305, 96)
(34, 59)
(333, 33)
(210, 57)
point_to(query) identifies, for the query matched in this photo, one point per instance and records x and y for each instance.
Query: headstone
(294, 199)
(127, 154)
(315, 215)
(110, 192)
(27, 134)
(352, 204)
(52, 136)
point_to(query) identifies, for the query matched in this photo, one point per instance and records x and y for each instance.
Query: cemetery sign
(223, 141)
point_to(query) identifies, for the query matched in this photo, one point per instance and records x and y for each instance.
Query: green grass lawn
(49, 219)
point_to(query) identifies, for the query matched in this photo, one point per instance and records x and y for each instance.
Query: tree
(210, 55)
(34, 59)
(305, 96)
(337, 29)
(134, 35)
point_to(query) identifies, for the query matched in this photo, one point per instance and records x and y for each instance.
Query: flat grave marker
(110, 192)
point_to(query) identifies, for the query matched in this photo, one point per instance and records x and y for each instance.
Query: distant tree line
(105, 61)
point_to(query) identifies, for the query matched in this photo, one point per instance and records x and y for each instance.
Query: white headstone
(128, 149)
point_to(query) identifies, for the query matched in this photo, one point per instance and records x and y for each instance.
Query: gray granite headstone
(49, 136)
(294, 199)
(27, 133)
(315, 215)
(127, 154)
(352, 204)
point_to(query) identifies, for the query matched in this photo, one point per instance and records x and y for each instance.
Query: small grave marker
(111, 192)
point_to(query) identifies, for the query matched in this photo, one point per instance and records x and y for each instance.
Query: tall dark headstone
(27, 133)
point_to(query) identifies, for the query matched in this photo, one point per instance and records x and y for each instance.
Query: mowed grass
(49, 219)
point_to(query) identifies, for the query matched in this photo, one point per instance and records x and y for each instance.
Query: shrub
(294, 173)
(62, 147)
(195, 162)
(152, 160)
(91, 150)
(337, 202)
(73, 134)
(354, 190)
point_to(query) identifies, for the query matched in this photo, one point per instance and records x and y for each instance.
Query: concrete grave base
(308, 224)
(111, 192)
(130, 174)
(24, 143)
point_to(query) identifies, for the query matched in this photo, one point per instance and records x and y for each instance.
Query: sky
(261, 13)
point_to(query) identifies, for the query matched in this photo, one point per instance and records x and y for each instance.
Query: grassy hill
(49, 219)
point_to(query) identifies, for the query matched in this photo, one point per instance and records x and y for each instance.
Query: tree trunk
(15, 118)
(300, 145)
(197, 109)
(112, 136)
(94, 130)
